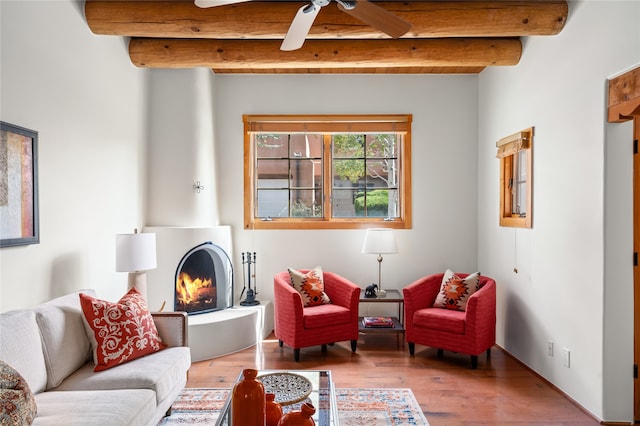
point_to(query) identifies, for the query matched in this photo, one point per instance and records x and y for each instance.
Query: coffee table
(322, 396)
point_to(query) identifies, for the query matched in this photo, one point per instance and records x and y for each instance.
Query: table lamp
(136, 254)
(379, 241)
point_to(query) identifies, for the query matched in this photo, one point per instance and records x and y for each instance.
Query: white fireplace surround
(214, 333)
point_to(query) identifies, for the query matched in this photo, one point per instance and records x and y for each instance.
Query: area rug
(356, 407)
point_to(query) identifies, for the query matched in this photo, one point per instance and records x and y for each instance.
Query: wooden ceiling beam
(324, 54)
(271, 19)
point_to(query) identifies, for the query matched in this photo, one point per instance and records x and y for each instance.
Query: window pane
(305, 173)
(520, 187)
(271, 145)
(520, 199)
(377, 203)
(273, 203)
(271, 171)
(348, 146)
(343, 201)
(382, 173)
(382, 145)
(348, 171)
(306, 203)
(305, 146)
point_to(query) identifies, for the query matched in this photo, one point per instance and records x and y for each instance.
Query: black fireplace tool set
(247, 277)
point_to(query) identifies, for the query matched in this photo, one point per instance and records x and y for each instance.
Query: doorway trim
(624, 105)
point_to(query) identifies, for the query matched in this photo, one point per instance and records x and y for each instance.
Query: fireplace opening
(204, 280)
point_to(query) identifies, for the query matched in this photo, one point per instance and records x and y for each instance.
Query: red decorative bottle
(248, 401)
(274, 410)
(300, 417)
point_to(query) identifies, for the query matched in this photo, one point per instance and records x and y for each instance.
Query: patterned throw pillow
(310, 286)
(455, 291)
(120, 332)
(17, 404)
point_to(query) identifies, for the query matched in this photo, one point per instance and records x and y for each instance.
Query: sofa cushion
(119, 332)
(17, 404)
(65, 343)
(325, 316)
(310, 286)
(159, 372)
(21, 347)
(440, 319)
(455, 291)
(105, 408)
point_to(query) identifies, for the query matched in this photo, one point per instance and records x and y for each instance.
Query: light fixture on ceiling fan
(363, 10)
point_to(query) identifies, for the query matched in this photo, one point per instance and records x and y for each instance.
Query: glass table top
(322, 396)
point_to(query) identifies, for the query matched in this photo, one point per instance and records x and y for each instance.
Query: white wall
(181, 148)
(562, 286)
(444, 171)
(83, 96)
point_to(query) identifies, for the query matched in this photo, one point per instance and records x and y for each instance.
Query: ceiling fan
(363, 10)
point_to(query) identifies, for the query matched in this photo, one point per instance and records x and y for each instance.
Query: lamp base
(139, 281)
(381, 293)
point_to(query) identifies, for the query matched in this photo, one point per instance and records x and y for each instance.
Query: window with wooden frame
(327, 171)
(516, 167)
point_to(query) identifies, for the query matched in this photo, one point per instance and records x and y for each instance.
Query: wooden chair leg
(353, 345)
(440, 353)
(280, 342)
(489, 353)
(412, 348)
(324, 349)
(296, 354)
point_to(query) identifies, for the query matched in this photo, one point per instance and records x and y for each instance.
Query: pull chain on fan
(362, 10)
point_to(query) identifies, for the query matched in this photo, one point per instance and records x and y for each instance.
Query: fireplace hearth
(204, 280)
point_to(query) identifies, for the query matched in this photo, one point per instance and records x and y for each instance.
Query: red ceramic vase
(300, 417)
(248, 401)
(273, 409)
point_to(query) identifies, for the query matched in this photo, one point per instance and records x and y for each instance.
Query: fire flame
(189, 290)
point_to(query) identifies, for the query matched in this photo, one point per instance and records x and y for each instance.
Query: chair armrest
(421, 293)
(172, 327)
(341, 291)
(481, 310)
(288, 307)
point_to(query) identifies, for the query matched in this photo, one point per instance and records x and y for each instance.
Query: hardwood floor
(501, 391)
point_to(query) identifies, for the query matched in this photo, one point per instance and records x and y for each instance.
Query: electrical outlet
(566, 357)
(550, 347)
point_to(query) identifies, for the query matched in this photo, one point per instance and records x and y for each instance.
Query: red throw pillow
(120, 332)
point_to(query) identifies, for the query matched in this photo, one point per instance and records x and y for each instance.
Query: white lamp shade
(135, 252)
(379, 241)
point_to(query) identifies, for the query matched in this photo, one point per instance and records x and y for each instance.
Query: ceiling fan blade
(213, 3)
(375, 16)
(300, 27)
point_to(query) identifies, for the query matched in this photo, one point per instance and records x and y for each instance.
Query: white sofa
(49, 347)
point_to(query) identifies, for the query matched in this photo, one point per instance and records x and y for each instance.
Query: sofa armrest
(172, 327)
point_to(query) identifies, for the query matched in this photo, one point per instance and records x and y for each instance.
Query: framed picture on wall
(18, 186)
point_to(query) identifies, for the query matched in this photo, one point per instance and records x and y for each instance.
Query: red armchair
(301, 327)
(469, 332)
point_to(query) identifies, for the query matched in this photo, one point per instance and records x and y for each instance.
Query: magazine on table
(384, 322)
